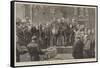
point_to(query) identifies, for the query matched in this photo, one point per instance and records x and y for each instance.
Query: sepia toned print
(51, 32)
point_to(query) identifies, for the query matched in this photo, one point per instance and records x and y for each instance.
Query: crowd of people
(59, 32)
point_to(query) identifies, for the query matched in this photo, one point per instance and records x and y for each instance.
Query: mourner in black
(78, 48)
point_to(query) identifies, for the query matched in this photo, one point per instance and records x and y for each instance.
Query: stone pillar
(75, 11)
(81, 12)
(86, 12)
(27, 11)
(87, 18)
(31, 14)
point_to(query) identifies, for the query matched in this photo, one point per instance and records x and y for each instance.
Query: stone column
(87, 17)
(31, 14)
(75, 11)
(81, 11)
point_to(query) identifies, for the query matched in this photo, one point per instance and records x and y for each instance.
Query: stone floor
(62, 57)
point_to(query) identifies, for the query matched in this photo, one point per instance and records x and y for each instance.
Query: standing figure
(89, 48)
(21, 48)
(92, 48)
(78, 48)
